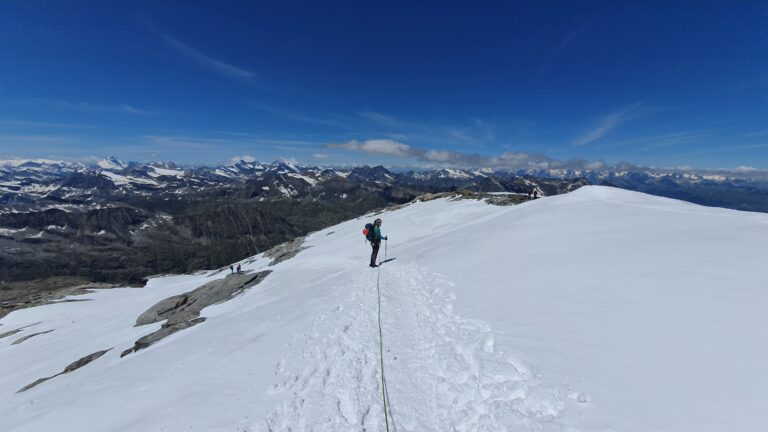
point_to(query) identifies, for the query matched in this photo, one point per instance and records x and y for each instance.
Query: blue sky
(663, 84)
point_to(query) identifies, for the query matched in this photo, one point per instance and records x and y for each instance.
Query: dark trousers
(375, 245)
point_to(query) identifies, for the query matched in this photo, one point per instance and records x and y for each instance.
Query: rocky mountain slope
(113, 221)
(120, 222)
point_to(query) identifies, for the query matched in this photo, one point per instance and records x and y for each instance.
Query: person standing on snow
(376, 242)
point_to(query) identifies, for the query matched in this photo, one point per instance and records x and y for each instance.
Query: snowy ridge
(600, 310)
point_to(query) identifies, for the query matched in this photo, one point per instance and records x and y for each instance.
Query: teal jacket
(377, 232)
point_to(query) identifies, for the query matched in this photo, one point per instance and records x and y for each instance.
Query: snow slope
(599, 310)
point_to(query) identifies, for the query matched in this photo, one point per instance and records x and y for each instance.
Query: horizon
(404, 85)
(92, 162)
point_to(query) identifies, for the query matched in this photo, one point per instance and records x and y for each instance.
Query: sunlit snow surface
(600, 310)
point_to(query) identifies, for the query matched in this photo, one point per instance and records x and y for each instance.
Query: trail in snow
(332, 370)
(443, 371)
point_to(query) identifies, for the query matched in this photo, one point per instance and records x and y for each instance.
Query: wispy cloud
(475, 132)
(322, 120)
(38, 139)
(562, 46)
(23, 124)
(659, 141)
(480, 131)
(382, 119)
(208, 62)
(606, 125)
(182, 142)
(117, 108)
(217, 142)
(676, 139)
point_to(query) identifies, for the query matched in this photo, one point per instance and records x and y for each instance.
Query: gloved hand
(385, 238)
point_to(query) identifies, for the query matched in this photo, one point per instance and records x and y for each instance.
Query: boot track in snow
(442, 371)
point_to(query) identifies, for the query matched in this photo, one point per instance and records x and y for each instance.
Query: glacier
(597, 310)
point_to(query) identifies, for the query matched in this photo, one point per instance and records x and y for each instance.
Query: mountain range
(120, 222)
(117, 222)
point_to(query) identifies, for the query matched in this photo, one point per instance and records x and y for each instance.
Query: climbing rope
(384, 391)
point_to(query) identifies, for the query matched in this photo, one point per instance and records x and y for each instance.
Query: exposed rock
(505, 200)
(70, 368)
(9, 333)
(13, 332)
(493, 199)
(38, 292)
(285, 251)
(22, 339)
(165, 330)
(183, 311)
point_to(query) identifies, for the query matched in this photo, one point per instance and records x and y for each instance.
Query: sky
(412, 83)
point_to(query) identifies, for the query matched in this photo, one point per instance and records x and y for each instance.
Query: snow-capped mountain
(596, 310)
(128, 220)
(131, 220)
(111, 163)
(39, 181)
(54, 183)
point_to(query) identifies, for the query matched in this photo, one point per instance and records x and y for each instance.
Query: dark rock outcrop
(13, 332)
(70, 368)
(285, 251)
(183, 311)
(23, 338)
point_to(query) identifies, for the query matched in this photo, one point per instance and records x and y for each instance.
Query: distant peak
(111, 162)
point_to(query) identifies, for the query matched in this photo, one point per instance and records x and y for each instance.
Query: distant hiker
(231, 269)
(238, 268)
(530, 194)
(535, 193)
(375, 237)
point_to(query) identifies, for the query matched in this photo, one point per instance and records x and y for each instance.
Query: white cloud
(389, 147)
(438, 156)
(745, 169)
(244, 158)
(289, 160)
(385, 147)
(595, 165)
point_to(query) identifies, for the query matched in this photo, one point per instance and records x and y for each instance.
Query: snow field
(601, 310)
